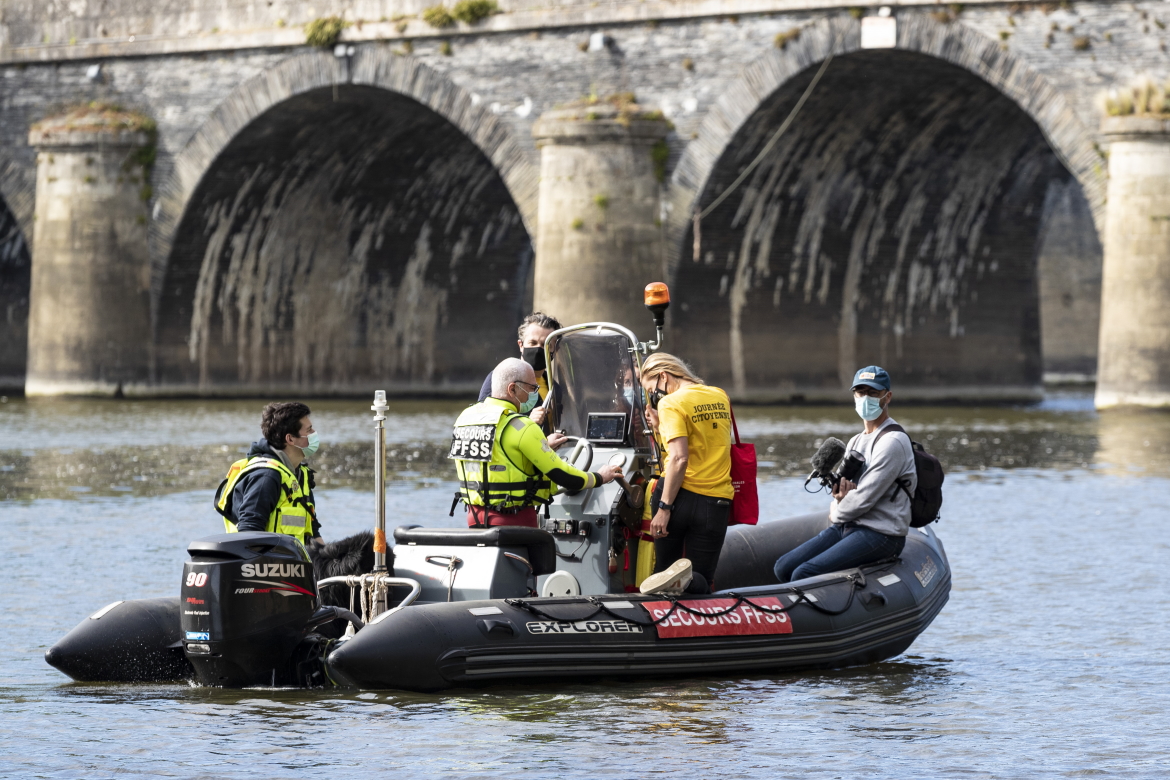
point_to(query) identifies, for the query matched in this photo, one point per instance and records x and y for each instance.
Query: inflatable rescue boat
(467, 606)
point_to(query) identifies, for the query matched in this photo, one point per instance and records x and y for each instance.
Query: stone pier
(1134, 353)
(89, 299)
(600, 237)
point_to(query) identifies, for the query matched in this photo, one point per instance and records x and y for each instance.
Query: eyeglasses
(525, 384)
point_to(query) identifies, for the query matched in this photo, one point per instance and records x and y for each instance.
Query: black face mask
(534, 356)
(656, 395)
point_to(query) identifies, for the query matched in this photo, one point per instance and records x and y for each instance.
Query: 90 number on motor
(196, 579)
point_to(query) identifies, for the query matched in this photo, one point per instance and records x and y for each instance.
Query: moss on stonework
(324, 32)
(438, 16)
(474, 11)
(1144, 97)
(625, 104)
(659, 154)
(95, 117)
(782, 40)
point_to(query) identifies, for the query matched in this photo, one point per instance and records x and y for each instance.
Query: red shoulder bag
(745, 507)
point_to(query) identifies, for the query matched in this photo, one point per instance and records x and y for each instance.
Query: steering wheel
(582, 445)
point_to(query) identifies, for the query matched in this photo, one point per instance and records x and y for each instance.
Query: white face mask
(869, 408)
(314, 443)
(530, 404)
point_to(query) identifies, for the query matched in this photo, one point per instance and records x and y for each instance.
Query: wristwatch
(666, 506)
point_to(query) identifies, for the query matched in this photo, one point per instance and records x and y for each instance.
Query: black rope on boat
(676, 604)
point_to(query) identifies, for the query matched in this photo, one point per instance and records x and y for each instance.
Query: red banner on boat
(741, 621)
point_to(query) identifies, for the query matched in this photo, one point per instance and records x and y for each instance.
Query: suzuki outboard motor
(247, 602)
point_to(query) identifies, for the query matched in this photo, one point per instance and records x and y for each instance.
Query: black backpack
(927, 498)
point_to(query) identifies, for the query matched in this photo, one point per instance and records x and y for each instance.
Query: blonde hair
(661, 362)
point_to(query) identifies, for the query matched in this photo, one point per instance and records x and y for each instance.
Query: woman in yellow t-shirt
(690, 516)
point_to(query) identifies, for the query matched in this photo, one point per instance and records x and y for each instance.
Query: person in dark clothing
(534, 331)
(272, 488)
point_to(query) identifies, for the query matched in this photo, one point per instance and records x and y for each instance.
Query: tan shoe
(673, 580)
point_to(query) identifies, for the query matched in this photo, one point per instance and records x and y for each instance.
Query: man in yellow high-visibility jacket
(272, 488)
(504, 462)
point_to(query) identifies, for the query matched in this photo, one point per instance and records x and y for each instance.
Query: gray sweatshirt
(869, 503)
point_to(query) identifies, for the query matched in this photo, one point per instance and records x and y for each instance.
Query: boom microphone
(826, 459)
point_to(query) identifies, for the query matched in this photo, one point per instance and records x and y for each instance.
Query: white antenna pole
(379, 408)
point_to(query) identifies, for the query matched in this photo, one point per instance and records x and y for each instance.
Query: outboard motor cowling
(247, 601)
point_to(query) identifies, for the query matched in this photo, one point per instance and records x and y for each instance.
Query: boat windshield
(595, 388)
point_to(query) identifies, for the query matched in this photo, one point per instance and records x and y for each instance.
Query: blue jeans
(836, 548)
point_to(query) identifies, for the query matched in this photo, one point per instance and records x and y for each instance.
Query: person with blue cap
(869, 518)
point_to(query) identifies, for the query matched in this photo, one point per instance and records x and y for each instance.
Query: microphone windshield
(828, 456)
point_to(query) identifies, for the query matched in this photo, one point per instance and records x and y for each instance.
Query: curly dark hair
(280, 419)
(540, 319)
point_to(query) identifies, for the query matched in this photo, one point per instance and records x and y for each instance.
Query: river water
(1049, 661)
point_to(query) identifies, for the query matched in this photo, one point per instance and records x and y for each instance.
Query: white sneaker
(673, 580)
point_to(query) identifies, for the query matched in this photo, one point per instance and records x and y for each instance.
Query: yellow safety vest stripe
(294, 512)
(520, 457)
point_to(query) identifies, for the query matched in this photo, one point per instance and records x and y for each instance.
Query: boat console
(465, 564)
(588, 538)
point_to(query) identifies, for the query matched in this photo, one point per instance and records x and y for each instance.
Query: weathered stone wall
(89, 312)
(1135, 318)
(15, 268)
(705, 68)
(601, 236)
(1069, 274)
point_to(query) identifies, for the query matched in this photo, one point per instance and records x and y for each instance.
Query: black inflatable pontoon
(842, 619)
(847, 618)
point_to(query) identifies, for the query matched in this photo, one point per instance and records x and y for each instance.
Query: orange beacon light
(657, 294)
(657, 298)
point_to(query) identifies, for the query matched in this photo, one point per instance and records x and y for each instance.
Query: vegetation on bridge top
(96, 117)
(324, 32)
(624, 105)
(467, 11)
(1144, 97)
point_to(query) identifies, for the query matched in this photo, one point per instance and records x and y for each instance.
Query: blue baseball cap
(872, 376)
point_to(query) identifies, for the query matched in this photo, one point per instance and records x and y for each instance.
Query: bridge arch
(339, 223)
(957, 44)
(307, 71)
(881, 218)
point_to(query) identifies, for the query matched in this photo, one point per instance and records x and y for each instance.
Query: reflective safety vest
(488, 474)
(293, 514)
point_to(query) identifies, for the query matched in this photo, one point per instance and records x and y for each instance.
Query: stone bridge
(197, 201)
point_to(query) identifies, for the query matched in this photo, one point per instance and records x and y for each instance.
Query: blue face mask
(530, 404)
(868, 407)
(314, 443)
